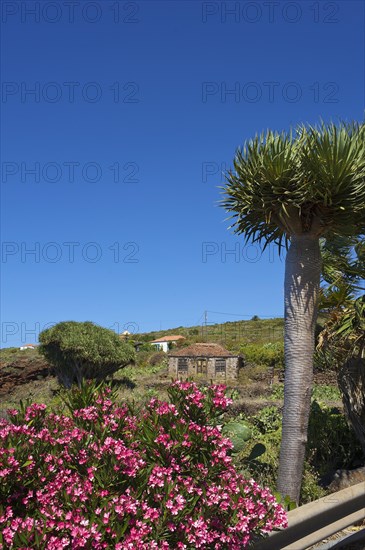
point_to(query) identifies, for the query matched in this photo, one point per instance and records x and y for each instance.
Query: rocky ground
(21, 371)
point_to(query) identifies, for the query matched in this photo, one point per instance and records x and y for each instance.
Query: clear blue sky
(129, 125)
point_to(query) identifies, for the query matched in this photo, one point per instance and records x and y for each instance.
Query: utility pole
(204, 324)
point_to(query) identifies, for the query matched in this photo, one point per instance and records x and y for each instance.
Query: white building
(166, 342)
(28, 346)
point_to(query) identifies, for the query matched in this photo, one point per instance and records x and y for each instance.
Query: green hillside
(232, 335)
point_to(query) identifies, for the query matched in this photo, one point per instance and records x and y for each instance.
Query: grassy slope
(231, 334)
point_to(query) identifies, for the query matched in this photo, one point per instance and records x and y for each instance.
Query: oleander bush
(99, 475)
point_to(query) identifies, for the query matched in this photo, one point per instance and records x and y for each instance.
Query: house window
(201, 366)
(182, 365)
(220, 366)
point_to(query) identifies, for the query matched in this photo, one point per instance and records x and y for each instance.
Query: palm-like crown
(311, 181)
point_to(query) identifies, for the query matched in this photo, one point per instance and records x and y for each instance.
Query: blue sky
(110, 166)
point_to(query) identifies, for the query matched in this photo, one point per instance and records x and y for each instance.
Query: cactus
(238, 433)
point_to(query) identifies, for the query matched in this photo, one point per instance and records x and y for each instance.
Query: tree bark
(301, 289)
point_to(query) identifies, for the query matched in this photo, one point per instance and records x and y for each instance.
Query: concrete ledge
(317, 520)
(343, 543)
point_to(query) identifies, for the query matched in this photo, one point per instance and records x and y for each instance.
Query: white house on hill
(165, 343)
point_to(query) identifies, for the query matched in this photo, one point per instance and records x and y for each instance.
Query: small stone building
(206, 361)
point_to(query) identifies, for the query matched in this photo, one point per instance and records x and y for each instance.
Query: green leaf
(258, 450)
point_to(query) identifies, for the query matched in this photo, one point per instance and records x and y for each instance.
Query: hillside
(230, 334)
(25, 374)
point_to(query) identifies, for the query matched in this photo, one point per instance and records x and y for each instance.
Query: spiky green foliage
(352, 324)
(343, 260)
(309, 181)
(81, 351)
(343, 270)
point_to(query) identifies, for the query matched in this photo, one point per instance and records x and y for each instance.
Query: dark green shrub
(81, 351)
(331, 445)
(331, 442)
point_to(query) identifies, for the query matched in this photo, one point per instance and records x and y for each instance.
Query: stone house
(206, 361)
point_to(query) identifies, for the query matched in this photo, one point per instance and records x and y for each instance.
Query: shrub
(267, 354)
(113, 477)
(277, 392)
(267, 420)
(84, 350)
(331, 445)
(320, 392)
(326, 393)
(331, 442)
(157, 358)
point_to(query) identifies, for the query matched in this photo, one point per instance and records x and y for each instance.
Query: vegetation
(79, 351)
(342, 341)
(231, 334)
(292, 190)
(331, 445)
(322, 393)
(252, 423)
(109, 476)
(270, 354)
(12, 354)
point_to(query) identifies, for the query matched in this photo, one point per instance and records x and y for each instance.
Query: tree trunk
(351, 379)
(301, 289)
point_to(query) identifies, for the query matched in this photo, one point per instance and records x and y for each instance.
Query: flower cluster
(111, 477)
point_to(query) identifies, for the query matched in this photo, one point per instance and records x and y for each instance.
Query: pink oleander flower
(108, 477)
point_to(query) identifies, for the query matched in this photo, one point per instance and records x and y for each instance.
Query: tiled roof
(202, 350)
(169, 338)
